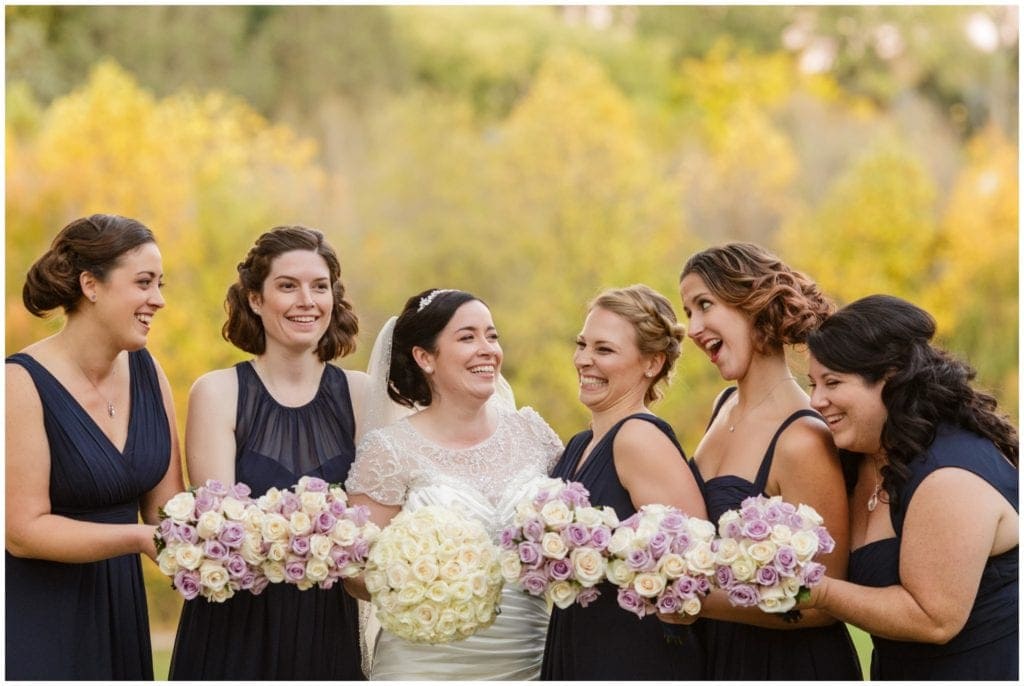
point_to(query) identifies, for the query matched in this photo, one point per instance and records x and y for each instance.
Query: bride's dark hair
(424, 316)
(882, 337)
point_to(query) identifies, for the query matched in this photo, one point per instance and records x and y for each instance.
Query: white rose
(274, 571)
(701, 559)
(552, 546)
(250, 549)
(790, 586)
(805, 544)
(691, 606)
(233, 509)
(275, 528)
(511, 567)
(411, 593)
(439, 592)
(188, 556)
(299, 524)
(470, 556)
(810, 515)
(672, 565)
(743, 568)
(701, 529)
(589, 516)
(375, 581)
(345, 532)
(643, 533)
(320, 546)
(304, 584)
(317, 570)
(525, 511)
(619, 573)
(278, 551)
(562, 594)
(398, 574)
(587, 565)
(461, 591)
(270, 501)
(180, 507)
(621, 541)
(728, 551)
(313, 502)
(338, 494)
(167, 562)
(253, 519)
(424, 569)
(611, 520)
(556, 514)
(409, 548)
(209, 524)
(781, 534)
(774, 599)
(219, 595)
(465, 613)
(451, 570)
(447, 622)
(648, 585)
(761, 552)
(727, 516)
(212, 574)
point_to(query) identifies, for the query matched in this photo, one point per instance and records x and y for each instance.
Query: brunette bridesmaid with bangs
(744, 306)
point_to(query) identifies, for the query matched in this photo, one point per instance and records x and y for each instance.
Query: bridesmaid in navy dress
(627, 458)
(91, 444)
(935, 529)
(744, 305)
(267, 422)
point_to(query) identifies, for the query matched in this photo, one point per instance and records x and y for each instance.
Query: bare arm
(32, 530)
(652, 470)
(210, 428)
(358, 386)
(955, 522)
(172, 483)
(805, 470)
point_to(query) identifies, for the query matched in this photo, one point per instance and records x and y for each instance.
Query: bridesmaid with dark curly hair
(934, 527)
(744, 306)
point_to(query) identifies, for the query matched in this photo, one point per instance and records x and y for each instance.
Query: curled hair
(785, 305)
(91, 244)
(244, 328)
(884, 338)
(424, 317)
(655, 323)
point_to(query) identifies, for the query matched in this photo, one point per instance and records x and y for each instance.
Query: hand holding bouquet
(662, 561)
(766, 550)
(311, 536)
(557, 544)
(433, 576)
(207, 544)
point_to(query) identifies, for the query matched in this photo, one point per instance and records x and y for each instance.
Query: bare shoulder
(21, 390)
(642, 438)
(805, 443)
(357, 381)
(219, 387)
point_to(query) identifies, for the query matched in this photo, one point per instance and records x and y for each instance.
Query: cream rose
(424, 569)
(375, 581)
(553, 547)
(619, 572)
(312, 502)
(338, 493)
(252, 520)
(478, 584)
(727, 517)
(761, 552)
(781, 534)
(275, 528)
(188, 556)
(219, 595)
(587, 565)
(278, 551)
(345, 532)
(209, 524)
(317, 570)
(233, 509)
(810, 515)
(439, 592)
(180, 507)
(274, 571)
(589, 516)
(511, 566)
(790, 586)
(320, 546)
(213, 575)
(672, 565)
(300, 524)
(805, 544)
(269, 501)
(701, 559)
(743, 568)
(398, 574)
(691, 606)
(648, 585)
(621, 541)
(461, 591)
(728, 551)
(700, 529)
(411, 593)
(556, 514)
(451, 570)
(562, 594)
(774, 599)
(167, 562)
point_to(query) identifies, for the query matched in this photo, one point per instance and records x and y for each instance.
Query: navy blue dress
(744, 652)
(987, 647)
(602, 641)
(89, 621)
(283, 633)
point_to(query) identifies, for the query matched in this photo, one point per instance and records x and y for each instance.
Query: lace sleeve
(550, 445)
(377, 471)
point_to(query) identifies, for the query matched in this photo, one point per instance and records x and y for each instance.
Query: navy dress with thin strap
(987, 648)
(283, 633)
(88, 620)
(602, 641)
(742, 651)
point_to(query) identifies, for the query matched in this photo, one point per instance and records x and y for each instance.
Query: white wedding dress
(396, 465)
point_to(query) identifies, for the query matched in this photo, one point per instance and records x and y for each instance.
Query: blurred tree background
(531, 155)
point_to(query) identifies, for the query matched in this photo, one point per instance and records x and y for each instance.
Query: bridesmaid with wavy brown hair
(744, 306)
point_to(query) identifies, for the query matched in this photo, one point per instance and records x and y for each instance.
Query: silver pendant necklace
(111, 411)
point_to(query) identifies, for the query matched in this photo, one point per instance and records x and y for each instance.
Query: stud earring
(92, 297)
(428, 370)
(648, 374)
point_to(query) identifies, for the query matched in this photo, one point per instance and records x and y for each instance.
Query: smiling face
(296, 300)
(851, 406)
(129, 297)
(722, 332)
(612, 370)
(467, 358)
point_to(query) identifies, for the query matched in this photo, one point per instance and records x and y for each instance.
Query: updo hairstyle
(244, 328)
(424, 317)
(783, 304)
(655, 323)
(91, 244)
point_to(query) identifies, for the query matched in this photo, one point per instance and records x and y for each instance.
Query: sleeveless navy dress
(744, 652)
(283, 633)
(602, 641)
(89, 621)
(987, 647)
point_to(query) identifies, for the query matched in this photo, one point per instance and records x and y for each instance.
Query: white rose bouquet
(203, 544)
(557, 545)
(433, 576)
(311, 536)
(662, 561)
(765, 553)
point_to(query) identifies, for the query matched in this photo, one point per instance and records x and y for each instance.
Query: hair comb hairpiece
(429, 297)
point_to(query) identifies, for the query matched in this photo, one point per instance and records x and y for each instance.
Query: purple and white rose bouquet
(662, 561)
(433, 576)
(310, 536)
(203, 542)
(557, 545)
(766, 552)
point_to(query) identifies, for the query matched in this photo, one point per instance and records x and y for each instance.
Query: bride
(467, 447)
